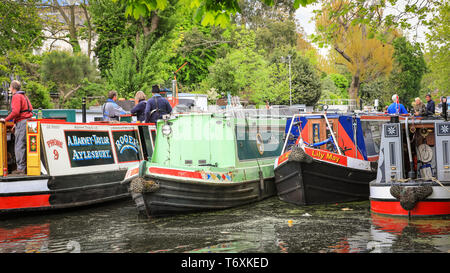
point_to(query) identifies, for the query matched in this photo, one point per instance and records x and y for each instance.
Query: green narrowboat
(208, 162)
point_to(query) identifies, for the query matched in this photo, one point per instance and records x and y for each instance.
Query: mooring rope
(439, 182)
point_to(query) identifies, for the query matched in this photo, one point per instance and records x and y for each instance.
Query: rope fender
(140, 185)
(299, 155)
(410, 196)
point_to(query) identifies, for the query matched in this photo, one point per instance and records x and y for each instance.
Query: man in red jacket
(21, 111)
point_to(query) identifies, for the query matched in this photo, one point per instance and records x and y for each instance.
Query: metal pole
(411, 173)
(332, 134)
(83, 109)
(290, 82)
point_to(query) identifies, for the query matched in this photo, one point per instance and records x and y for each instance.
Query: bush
(39, 95)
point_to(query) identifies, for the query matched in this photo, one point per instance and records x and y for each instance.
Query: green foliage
(438, 53)
(335, 86)
(63, 67)
(378, 89)
(20, 26)
(68, 72)
(38, 94)
(138, 69)
(276, 34)
(111, 28)
(341, 82)
(95, 93)
(409, 67)
(244, 72)
(208, 12)
(306, 86)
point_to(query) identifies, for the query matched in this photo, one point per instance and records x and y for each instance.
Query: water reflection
(270, 226)
(25, 239)
(390, 234)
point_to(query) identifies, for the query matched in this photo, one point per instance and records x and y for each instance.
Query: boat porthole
(259, 143)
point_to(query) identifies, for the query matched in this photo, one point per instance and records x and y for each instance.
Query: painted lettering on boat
(283, 157)
(87, 141)
(127, 142)
(326, 156)
(54, 142)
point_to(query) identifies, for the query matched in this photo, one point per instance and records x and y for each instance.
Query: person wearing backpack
(111, 110)
(21, 111)
(156, 107)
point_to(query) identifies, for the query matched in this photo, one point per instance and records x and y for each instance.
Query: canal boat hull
(70, 165)
(314, 181)
(49, 193)
(181, 195)
(437, 204)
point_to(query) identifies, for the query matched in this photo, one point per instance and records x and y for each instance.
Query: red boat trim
(326, 156)
(27, 201)
(423, 208)
(175, 172)
(58, 121)
(282, 158)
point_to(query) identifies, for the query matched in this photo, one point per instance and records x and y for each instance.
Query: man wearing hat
(156, 107)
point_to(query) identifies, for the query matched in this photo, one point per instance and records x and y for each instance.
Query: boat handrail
(307, 115)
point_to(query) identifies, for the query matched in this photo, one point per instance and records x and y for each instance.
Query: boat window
(127, 145)
(445, 148)
(316, 133)
(147, 139)
(253, 142)
(392, 152)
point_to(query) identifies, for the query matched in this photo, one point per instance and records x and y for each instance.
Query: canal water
(270, 226)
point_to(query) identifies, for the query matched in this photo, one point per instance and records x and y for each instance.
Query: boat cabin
(217, 140)
(56, 147)
(316, 133)
(415, 149)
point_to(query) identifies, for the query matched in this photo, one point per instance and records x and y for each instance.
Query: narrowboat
(324, 160)
(413, 177)
(70, 164)
(208, 161)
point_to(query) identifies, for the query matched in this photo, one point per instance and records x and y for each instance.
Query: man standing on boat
(156, 107)
(21, 111)
(396, 107)
(111, 110)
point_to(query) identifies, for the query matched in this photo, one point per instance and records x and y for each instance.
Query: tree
(77, 22)
(20, 26)
(208, 12)
(112, 29)
(306, 85)
(68, 71)
(365, 56)
(437, 53)
(409, 67)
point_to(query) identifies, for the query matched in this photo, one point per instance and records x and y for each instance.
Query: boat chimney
(83, 109)
(394, 119)
(444, 108)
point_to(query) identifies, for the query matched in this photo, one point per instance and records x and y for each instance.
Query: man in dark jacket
(430, 105)
(156, 107)
(21, 111)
